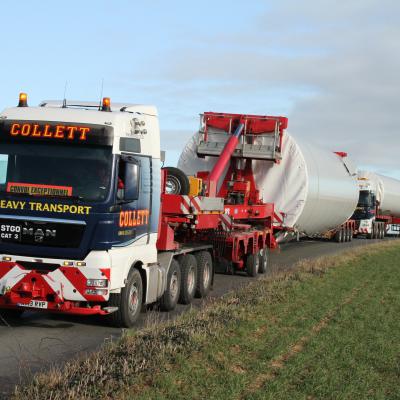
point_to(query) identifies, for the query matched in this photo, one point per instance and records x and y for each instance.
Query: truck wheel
(189, 278)
(170, 297)
(204, 273)
(252, 265)
(177, 181)
(345, 235)
(351, 234)
(375, 231)
(263, 260)
(129, 301)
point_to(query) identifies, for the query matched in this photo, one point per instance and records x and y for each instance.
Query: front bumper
(62, 290)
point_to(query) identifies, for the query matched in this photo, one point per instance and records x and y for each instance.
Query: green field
(330, 329)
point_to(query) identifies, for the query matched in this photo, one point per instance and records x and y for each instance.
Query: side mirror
(132, 181)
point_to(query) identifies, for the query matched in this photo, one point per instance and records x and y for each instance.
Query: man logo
(39, 234)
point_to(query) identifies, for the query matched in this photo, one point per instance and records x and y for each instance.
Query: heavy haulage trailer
(314, 190)
(91, 224)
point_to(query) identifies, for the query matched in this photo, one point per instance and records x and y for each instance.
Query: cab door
(134, 196)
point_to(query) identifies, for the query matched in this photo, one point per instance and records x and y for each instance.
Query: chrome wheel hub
(133, 299)
(174, 285)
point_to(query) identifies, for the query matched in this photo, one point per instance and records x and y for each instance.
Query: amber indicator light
(106, 105)
(23, 100)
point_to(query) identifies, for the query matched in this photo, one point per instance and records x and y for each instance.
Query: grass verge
(329, 328)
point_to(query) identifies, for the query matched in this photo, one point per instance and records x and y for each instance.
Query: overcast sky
(332, 67)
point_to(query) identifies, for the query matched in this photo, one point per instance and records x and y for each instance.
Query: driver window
(121, 180)
(128, 180)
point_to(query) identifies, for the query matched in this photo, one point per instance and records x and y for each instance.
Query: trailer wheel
(204, 273)
(351, 234)
(263, 260)
(170, 297)
(129, 301)
(177, 181)
(339, 236)
(347, 234)
(189, 278)
(252, 265)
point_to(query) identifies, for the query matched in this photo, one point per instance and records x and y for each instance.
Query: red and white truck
(91, 224)
(378, 210)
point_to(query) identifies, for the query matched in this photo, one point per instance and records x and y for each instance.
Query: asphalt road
(38, 340)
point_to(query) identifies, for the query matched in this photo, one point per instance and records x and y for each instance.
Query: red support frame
(247, 222)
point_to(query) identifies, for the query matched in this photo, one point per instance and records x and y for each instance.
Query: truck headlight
(97, 282)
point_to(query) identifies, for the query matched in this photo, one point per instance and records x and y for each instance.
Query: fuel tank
(314, 188)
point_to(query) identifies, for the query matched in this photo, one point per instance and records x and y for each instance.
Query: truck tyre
(376, 231)
(252, 265)
(177, 181)
(189, 278)
(263, 260)
(351, 235)
(345, 235)
(129, 301)
(204, 273)
(383, 230)
(170, 297)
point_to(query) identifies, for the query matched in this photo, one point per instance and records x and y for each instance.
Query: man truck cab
(365, 213)
(79, 206)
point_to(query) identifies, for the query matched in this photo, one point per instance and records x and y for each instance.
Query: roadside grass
(327, 329)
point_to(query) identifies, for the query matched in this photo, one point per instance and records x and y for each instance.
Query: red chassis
(236, 220)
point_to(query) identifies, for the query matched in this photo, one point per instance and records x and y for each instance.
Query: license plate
(35, 304)
(10, 232)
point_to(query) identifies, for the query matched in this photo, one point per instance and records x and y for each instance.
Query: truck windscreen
(48, 170)
(366, 199)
